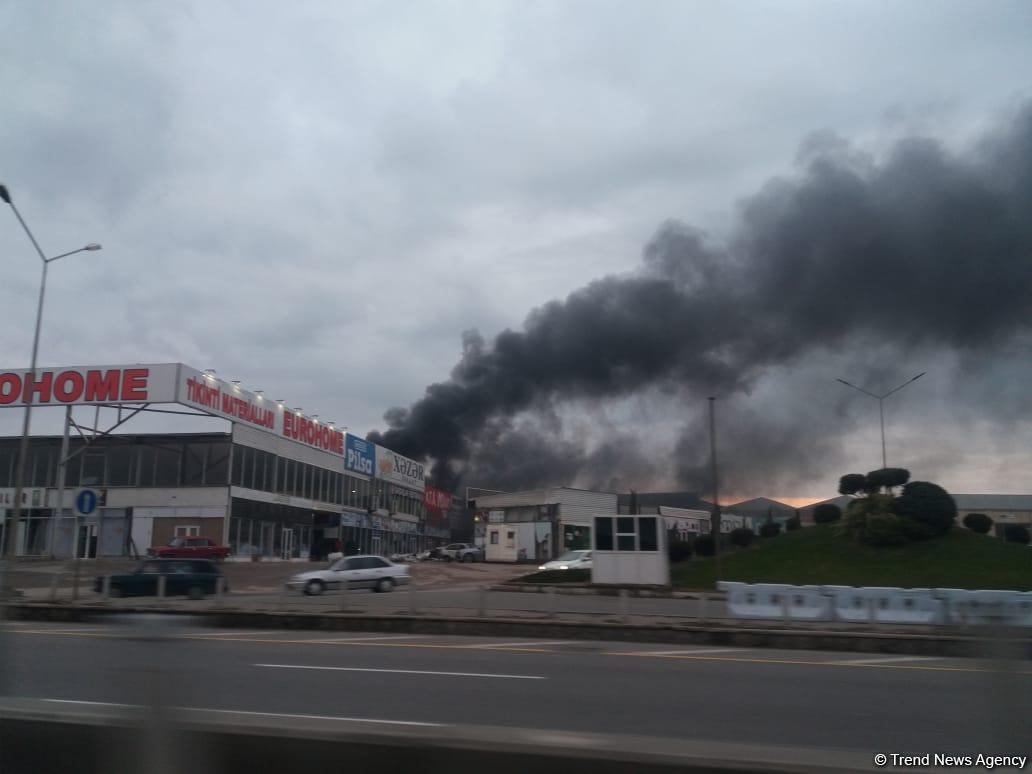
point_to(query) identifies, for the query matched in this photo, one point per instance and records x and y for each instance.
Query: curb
(947, 643)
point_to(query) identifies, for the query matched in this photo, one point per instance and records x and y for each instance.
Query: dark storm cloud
(926, 250)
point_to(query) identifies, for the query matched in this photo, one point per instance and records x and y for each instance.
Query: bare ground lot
(269, 575)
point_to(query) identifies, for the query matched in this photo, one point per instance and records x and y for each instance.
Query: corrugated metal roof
(993, 502)
(760, 505)
(965, 502)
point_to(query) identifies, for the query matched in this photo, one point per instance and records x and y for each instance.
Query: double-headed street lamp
(881, 406)
(11, 527)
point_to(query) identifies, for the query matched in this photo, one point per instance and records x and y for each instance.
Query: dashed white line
(90, 703)
(318, 717)
(372, 639)
(885, 660)
(400, 671)
(697, 652)
(257, 714)
(490, 645)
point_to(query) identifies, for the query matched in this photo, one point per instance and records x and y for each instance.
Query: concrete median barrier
(801, 635)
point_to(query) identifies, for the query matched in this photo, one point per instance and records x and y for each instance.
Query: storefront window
(6, 467)
(166, 466)
(92, 468)
(118, 459)
(238, 465)
(216, 471)
(144, 463)
(39, 473)
(193, 464)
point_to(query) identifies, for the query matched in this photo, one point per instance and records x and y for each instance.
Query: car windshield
(177, 542)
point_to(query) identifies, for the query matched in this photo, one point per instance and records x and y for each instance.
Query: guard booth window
(626, 533)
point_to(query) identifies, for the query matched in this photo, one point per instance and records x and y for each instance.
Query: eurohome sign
(178, 383)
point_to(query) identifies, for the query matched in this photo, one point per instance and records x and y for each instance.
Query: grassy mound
(821, 555)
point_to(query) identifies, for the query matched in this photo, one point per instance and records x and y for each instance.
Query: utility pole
(715, 518)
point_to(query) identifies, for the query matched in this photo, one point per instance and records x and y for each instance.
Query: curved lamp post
(11, 527)
(881, 406)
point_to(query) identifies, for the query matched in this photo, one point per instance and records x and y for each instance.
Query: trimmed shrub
(742, 536)
(1016, 533)
(853, 483)
(880, 531)
(978, 522)
(770, 529)
(704, 545)
(886, 529)
(927, 504)
(793, 524)
(679, 551)
(887, 478)
(825, 513)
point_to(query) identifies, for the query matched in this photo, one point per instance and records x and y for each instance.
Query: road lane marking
(697, 652)
(400, 671)
(257, 714)
(373, 639)
(325, 641)
(883, 660)
(636, 654)
(317, 717)
(91, 703)
(801, 662)
(514, 645)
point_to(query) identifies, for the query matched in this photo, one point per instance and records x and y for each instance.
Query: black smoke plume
(924, 250)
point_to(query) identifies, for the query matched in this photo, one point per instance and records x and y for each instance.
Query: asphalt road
(860, 702)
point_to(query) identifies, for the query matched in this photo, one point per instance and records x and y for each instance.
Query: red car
(191, 548)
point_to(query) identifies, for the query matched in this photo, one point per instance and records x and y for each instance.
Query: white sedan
(353, 572)
(571, 560)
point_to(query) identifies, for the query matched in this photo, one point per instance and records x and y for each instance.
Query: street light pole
(11, 525)
(715, 518)
(881, 406)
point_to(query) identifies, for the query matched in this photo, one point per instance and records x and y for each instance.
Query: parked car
(354, 572)
(571, 560)
(462, 552)
(190, 548)
(193, 577)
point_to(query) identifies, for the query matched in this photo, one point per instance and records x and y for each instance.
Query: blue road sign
(86, 502)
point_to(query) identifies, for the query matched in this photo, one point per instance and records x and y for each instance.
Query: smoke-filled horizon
(922, 251)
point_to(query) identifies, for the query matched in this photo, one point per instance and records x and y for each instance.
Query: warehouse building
(278, 484)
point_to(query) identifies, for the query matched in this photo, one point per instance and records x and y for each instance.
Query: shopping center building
(278, 484)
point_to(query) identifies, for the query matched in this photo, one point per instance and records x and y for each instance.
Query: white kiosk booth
(629, 550)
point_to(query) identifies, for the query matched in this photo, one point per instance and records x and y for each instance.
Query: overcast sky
(317, 199)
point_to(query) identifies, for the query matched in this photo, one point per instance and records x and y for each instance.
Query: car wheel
(314, 588)
(115, 592)
(195, 592)
(468, 558)
(385, 585)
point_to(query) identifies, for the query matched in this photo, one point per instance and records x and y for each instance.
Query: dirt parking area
(269, 575)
